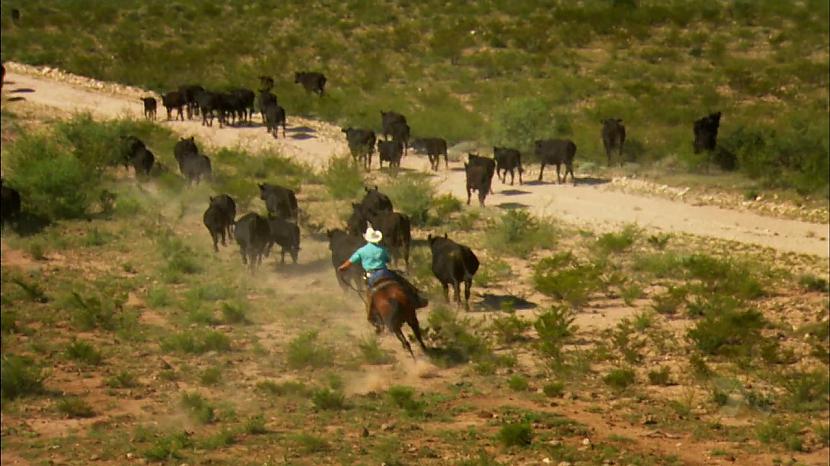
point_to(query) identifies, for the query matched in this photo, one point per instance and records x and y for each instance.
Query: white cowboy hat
(372, 235)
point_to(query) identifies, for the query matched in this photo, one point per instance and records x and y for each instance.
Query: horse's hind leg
(416, 329)
(406, 345)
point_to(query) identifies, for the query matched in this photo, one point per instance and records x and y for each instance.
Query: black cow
(216, 223)
(375, 202)
(184, 147)
(266, 83)
(400, 132)
(508, 160)
(130, 147)
(434, 148)
(190, 92)
(150, 106)
(389, 120)
(231, 108)
(281, 202)
(613, 137)
(142, 161)
(253, 234)
(210, 104)
(453, 263)
(227, 206)
(264, 99)
(196, 167)
(287, 236)
(478, 179)
(311, 81)
(396, 228)
(9, 203)
(245, 103)
(486, 162)
(174, 100)
(361, 144)
(706, 132)
(390, 151)
(342, 245)
(274, 118)
(556, 152)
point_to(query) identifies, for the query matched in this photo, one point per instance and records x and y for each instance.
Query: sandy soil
(587, 202)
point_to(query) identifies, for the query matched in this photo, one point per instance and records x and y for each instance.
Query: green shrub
(730, 332)
(210, 376)
(412, 195)
(20, 377)
(304, 351)
(309, 443)
(554, 389)
(122, 379)
(74, 407)
(33, 291)
(451, 332)
(158, 296)
(520, 121)
(631, 293)
(83, 352)
(517, 383)
(233, 313)
(372, 352)
(198, 408)
(221, 439)
(52, 180)
(807, 391)
(620, 378)
(555, 327)
(281, 389)
(813, 283)
(516, 435)
(660, 377)
(343, 178)
(777, 430)
(492, 271)
(95, 311)
(327, 399)
(669, 301)
(446, 204)
(723, 276)
(517, 233)
(509, 329)
(168, 447)
(627, 341)
(256, 425)
(563, 277)
(659, 240)
(404, 397)
(609, 243)
(196, 342)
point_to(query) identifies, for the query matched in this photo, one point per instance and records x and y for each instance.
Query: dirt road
(315, 142)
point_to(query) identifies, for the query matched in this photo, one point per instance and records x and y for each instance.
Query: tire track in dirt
(581, 204)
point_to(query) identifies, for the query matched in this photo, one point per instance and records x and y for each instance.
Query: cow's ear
(211, 198)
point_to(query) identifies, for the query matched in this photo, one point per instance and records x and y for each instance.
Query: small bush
(659, 240)
(811, 282)
(197, 342)
(627, 341)
(210, 376)
(509, 329)
(83, 352)
(309, 443)
(446, 204)
(158, 296)
(233, 313)
(620, 378)
(554, 389)
(20, 377)
(517, 233)
(776, 430)
(617, 242)
(256, 425)
(404, 397)
(562, 277)
(52, 180)
(660, 377)
(123, 379)
(807, 391)
(723, 276)
(631, 293)
(221, 439)
(669, 301)
(304, 351)
(282, 389)
(327, 399)
(555, 327)
(33, 291)
(343, 178)
(516, 435)
(413, 195)
(198, 408)
(74, 407)
(372, 352)
(521, 121)
(493, 271)
(517, 383)
(168, 447)
(95, 311)
(731, 332)
(452, 334)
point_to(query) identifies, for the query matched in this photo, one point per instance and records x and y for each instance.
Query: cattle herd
(452, 263)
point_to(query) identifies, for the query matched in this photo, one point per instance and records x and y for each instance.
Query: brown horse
(391, 307)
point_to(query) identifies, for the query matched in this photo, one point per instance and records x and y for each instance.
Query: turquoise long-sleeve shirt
(371, 257)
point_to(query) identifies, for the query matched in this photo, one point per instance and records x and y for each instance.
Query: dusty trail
(315, 142)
